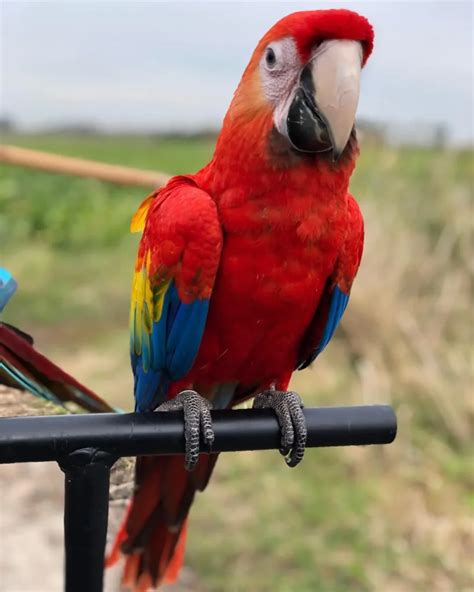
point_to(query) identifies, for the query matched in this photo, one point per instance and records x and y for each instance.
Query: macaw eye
(270, 58)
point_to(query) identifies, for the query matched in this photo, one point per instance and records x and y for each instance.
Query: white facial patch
(280, 66)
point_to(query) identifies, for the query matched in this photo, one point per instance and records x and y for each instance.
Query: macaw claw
(288, 408)
(197, 421)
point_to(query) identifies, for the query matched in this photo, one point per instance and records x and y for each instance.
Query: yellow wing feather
(139, 218)
(146, 304)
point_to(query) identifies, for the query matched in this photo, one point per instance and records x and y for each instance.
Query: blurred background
(146, 85)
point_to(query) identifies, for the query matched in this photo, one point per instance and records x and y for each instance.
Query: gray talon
(197, 421)
(288, 408)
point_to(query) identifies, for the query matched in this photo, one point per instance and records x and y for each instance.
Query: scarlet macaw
(23, 367)
(244, 268)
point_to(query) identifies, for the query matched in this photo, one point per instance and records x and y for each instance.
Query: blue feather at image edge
(8, 287)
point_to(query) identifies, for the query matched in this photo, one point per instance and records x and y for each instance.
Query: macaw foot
(197, 420)
(288, 408)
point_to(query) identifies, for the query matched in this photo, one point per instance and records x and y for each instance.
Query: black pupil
(271, 59)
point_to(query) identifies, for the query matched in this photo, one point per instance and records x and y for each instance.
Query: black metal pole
(86, 508)
(35, 439)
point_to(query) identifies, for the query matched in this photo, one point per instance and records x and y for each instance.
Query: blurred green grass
(396, 518)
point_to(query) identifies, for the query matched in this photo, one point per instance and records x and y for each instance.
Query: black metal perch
(86, 447)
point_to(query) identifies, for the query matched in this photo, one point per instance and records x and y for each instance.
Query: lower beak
(322, 113)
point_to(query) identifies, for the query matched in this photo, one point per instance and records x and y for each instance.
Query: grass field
(395, 519)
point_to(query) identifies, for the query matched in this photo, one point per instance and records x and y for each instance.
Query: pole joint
(76, 460)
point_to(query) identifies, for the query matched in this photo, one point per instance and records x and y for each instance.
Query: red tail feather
(153, 535)
(21, 365)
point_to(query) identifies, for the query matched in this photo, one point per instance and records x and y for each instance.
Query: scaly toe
(296, 454)
(288, 409)
(197, 420)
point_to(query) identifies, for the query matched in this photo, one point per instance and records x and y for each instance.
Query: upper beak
(322, 113)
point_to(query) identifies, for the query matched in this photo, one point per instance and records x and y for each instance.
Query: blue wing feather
(339, 302)
(8, 286)
(189, 337)
(169, 351)
(27, 383)
(337, 307)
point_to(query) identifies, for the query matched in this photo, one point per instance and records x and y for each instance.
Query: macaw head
(301, 86)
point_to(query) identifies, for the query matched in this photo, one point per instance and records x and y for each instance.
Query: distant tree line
(420, 134)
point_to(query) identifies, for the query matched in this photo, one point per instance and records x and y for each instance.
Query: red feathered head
(309, 28)
(302, 80)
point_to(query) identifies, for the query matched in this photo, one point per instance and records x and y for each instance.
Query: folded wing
(335, 297)
(174, 276)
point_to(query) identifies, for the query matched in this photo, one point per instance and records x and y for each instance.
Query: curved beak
(323, 108)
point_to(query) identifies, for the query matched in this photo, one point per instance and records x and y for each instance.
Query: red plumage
(22, 366)
(313, 26)
(291, 232)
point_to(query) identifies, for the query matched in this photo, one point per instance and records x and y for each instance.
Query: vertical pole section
(86, 508)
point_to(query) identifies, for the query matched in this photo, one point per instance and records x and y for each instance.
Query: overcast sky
(168, 65)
